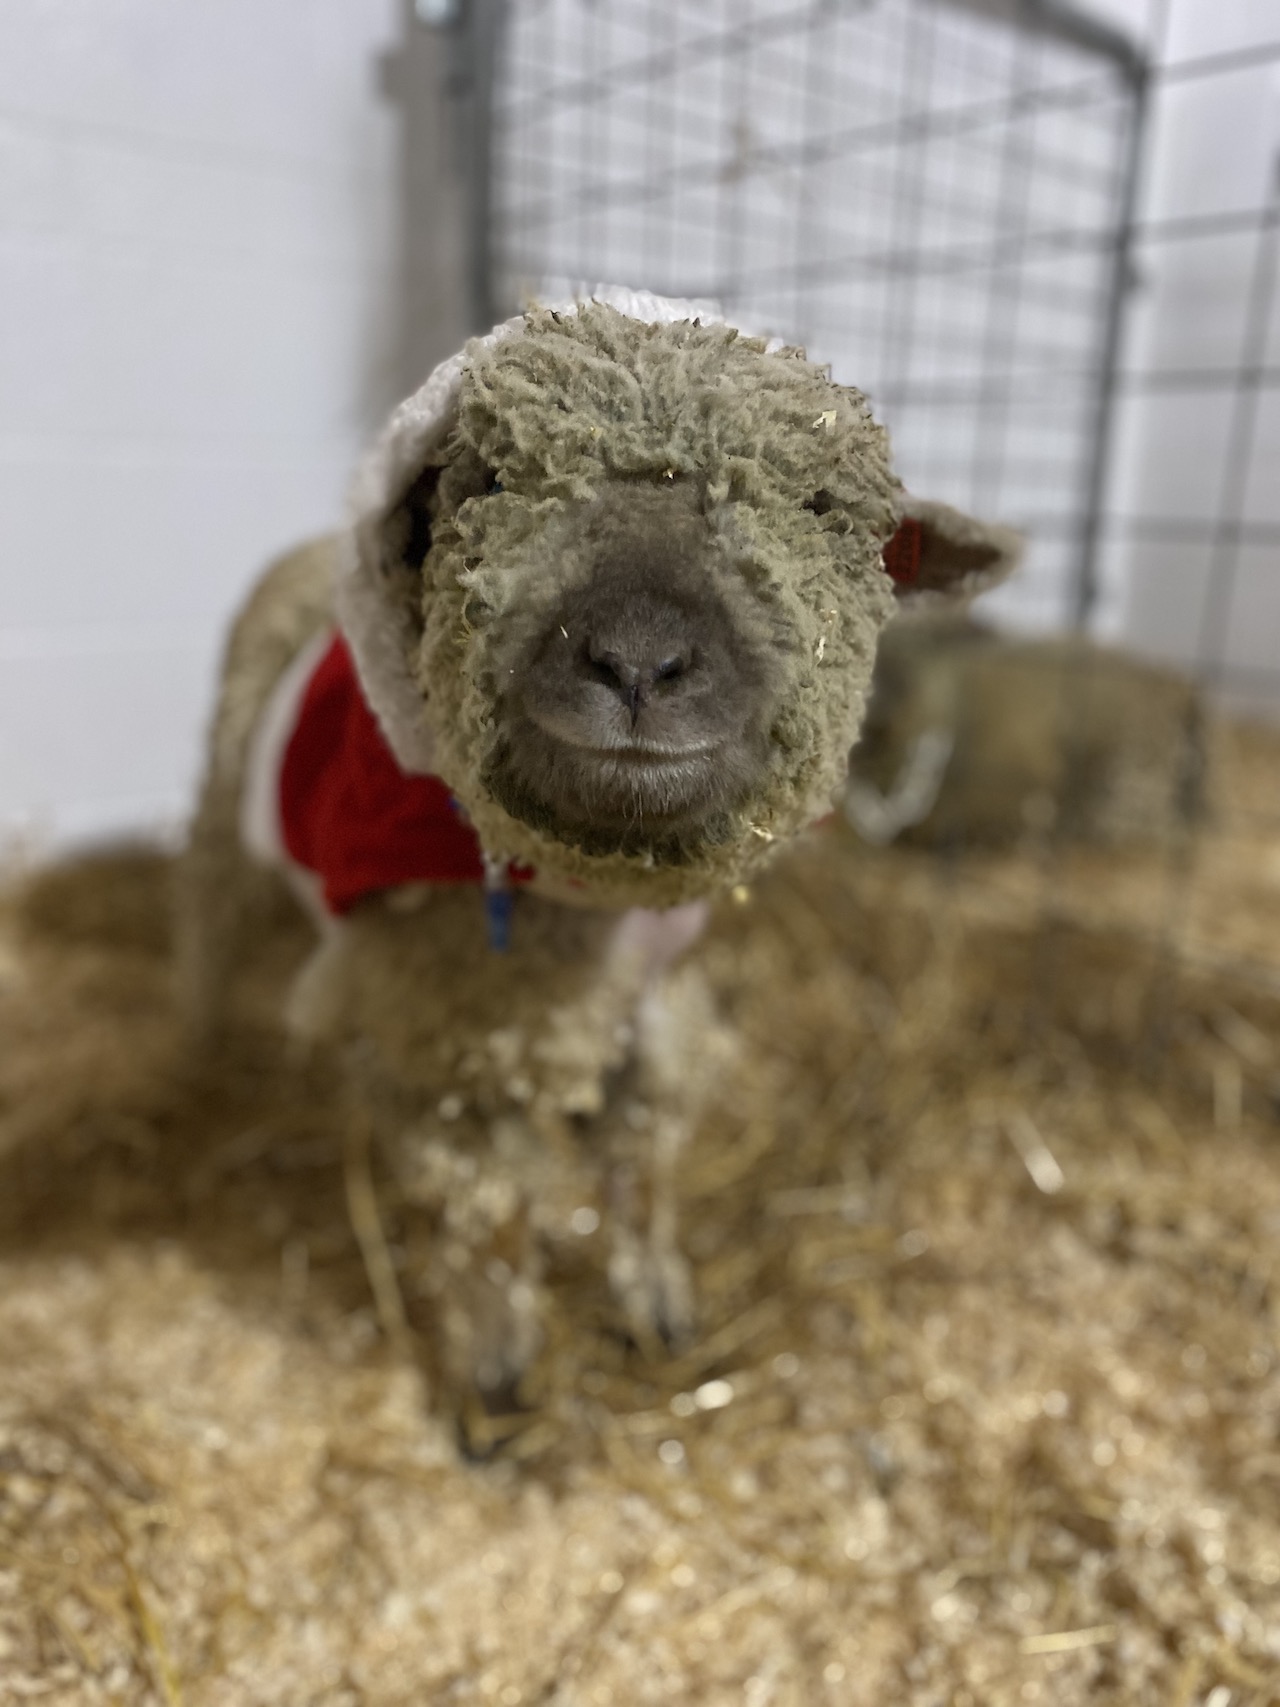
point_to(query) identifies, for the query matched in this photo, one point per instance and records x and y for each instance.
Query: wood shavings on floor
(983, 1410)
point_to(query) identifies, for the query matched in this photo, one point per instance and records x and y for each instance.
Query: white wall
(1214, 149)
(196, 212)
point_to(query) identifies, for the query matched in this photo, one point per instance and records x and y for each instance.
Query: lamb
(974, 738)
(593, 649)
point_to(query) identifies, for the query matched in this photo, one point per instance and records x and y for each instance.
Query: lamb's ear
(939, 552)
(406, 531)
(378, 602)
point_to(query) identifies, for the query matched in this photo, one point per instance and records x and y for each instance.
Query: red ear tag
(902, 553)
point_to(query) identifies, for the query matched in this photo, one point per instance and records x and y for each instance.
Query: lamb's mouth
(629, 786)
(628, 749)
(628, 798)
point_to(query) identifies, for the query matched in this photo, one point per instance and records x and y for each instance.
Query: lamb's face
(641, 583)
(637, 713)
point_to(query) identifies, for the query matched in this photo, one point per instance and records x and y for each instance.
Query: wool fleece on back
(596, 641)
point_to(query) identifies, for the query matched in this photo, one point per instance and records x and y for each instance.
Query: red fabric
(902, 553)
(350, 814)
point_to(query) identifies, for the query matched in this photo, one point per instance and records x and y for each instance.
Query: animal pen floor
(987, 1401)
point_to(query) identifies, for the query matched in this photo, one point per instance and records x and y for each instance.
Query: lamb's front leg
(472, 1067)
(648, 1272)
(681, 1052)
(473, 1260)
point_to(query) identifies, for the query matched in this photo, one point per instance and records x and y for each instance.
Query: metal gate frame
(475, 31)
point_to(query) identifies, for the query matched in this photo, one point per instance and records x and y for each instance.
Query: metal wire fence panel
(927, 196)
(1025, 239)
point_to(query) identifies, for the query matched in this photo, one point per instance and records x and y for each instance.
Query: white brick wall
(196, 211)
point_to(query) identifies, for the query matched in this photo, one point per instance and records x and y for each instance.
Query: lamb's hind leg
(219, 890)
(213, 890)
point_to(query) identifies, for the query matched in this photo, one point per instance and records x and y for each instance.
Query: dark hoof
(492, 1417)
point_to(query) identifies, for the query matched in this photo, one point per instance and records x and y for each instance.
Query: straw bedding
(983, 1408)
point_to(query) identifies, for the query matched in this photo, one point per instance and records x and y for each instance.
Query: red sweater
(350, 815)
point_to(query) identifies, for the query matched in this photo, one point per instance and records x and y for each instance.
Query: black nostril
(625, 674)
(634, 672)
(612, 669)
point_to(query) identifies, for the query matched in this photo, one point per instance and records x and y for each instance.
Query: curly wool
(799, 496)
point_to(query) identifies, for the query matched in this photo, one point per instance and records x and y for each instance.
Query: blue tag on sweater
(499, 904)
